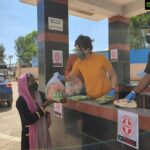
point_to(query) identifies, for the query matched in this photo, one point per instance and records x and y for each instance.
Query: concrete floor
(10, 127)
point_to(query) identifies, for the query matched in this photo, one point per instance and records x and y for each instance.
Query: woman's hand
(46, 103)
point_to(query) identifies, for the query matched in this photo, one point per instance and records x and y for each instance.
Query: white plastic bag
(53, 86)
(73, 87)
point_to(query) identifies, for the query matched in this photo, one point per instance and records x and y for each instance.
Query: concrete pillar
(119, 48)
(52, 38)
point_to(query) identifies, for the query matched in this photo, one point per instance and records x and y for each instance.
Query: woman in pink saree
(34, 119)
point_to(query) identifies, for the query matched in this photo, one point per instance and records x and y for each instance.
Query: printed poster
(58, 109)
(55, 24)
(57, 58)
(128, 128)
(114, 54)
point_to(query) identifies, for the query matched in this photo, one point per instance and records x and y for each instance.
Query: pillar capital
(119, 18)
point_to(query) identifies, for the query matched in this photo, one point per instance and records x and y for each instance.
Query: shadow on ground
(4, 108)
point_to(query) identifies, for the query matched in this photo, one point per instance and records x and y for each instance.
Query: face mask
(81, 55)
(33, 87)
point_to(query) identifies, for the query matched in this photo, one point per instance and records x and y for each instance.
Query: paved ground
(10, 127)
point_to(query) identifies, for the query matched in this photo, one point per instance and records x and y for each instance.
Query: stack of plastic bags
(73, 87)
(55, 90)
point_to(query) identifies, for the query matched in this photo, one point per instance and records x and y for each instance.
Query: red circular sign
(126, 126)
(57, 57)
(57, 107)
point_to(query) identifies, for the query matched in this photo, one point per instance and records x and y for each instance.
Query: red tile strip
(119, 18)
(53, 37)
(119, 46)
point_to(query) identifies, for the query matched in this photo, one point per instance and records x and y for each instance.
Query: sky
(19, 19)
(98, 31)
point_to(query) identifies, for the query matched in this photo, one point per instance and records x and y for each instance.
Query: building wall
(139, 55)
(33, 70)
(136, 69)
(138, 61)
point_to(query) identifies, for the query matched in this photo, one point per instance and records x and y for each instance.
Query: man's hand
(131, 96)
(61, 77)
(112, 93)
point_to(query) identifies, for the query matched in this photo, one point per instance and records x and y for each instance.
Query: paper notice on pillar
(128, 128)
(57, 60)
(55, 24)
(114, 54)
(58, 109)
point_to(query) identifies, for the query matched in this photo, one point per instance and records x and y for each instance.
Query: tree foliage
(136, 38)
(141, 20)
(136, 33)
(26, 46)
(2, 51)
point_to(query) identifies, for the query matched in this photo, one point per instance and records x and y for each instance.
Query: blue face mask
(81, 55)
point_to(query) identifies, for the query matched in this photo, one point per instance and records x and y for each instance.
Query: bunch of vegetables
(55, 91)
(58, 96)
(104, 99)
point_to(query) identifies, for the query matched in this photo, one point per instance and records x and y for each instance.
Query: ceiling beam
(135, 8)
(103, 7)
(99, 9)
(31, 2)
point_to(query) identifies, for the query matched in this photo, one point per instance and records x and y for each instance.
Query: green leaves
(2, 56)
(136, 33)
(26, 46)
(58, 96)
(141, 20)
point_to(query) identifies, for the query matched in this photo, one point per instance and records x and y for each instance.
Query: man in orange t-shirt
(98, 73)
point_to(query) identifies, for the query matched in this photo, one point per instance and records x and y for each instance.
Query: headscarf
(39, 137)
(24, 92)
